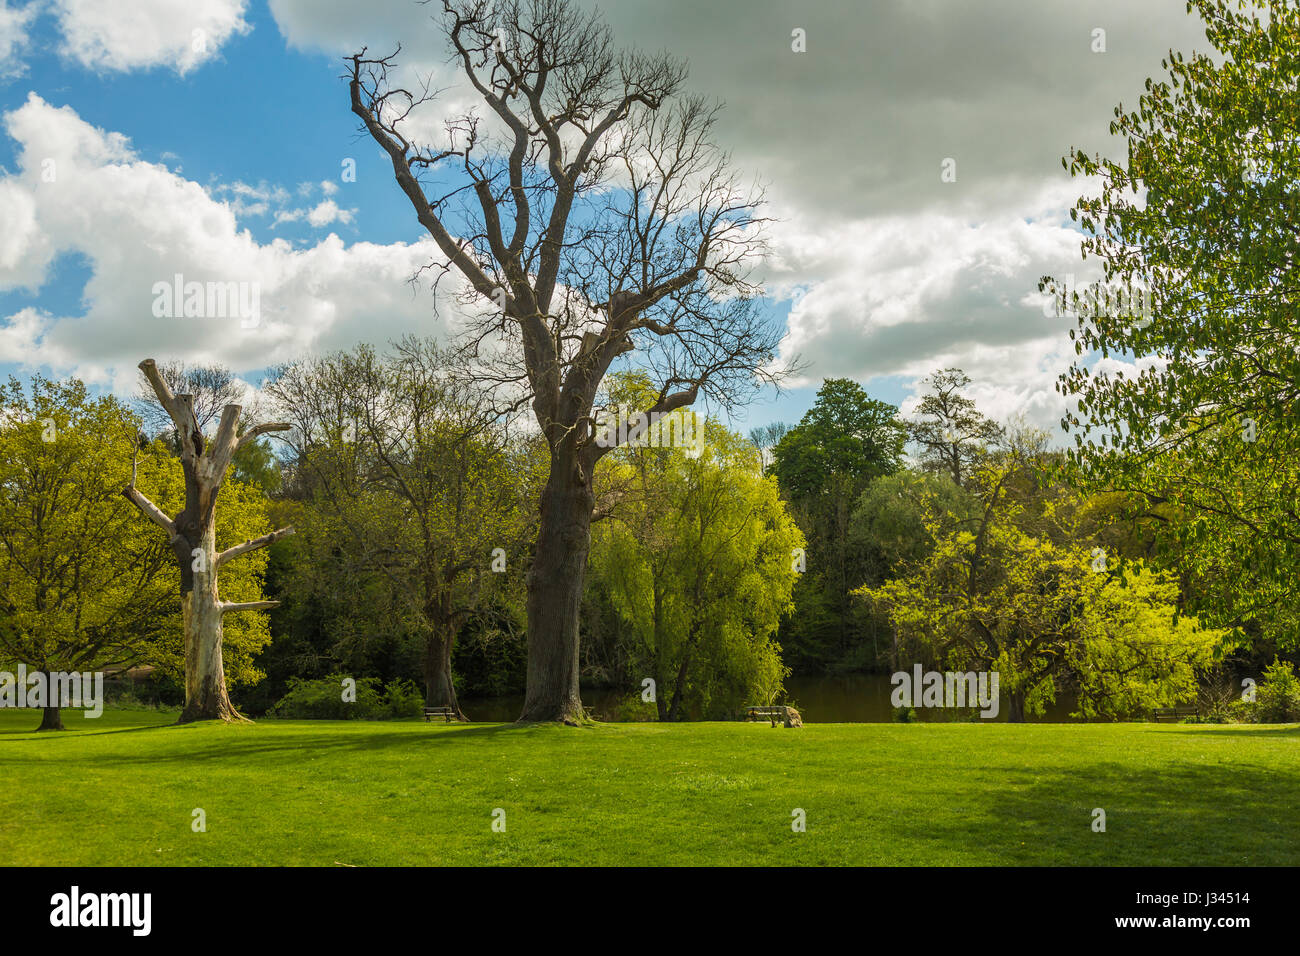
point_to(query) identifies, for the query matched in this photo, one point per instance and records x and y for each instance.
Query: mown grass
(121, 790)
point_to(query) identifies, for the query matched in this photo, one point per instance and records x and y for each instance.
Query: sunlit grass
(122, 790)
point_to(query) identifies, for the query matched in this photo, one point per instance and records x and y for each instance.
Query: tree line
(716, 569)
(600, 244)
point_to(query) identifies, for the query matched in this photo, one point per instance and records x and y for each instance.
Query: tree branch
(150, 510)
(261, 429)
(252, 545)
(225, 607)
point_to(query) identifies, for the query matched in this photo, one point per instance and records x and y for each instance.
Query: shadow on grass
(1272, 730)
(1240, 814)
(325, 739)
(27, 733)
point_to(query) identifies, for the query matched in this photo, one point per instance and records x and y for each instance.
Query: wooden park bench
(446, 712)
(773, 713)
(1174, 713)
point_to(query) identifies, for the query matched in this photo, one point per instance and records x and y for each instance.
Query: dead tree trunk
(192, 535)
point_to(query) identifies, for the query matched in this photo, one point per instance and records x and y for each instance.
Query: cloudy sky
(141, 139)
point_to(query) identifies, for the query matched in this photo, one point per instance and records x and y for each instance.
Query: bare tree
(192, 536)
(951, 435)
(213, 387)
(589, 214)
(766, 437)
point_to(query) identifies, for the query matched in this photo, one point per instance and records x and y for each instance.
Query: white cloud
(140, 34)
(904, 295)
(322, 214)
(898, 272)
(328, 212)
(13, 38)
(137, 224)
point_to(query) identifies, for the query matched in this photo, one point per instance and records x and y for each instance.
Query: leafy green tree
(697, 557)
(846, 434)
(411, 501)
(1023, 592)
(80, 588)
(889, 530)
(889, 518)
(1278, 700)
(823, 465)
(1203, 213)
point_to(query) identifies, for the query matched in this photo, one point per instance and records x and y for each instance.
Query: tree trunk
(439, 691)
(1016, 710)
(205, 673)
(194, 530)
(555, 583)
(679, 688)
(661, 705)
(51, 719)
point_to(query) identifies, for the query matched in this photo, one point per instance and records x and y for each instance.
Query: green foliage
(845, 434)
(889, 520)
(80, 586)
(403, 489)
(322, 699)
(843, 443)
(129, 701)
(1277, 699)
(256, 464)
(1136, 653)
(1202, 212)
(1017, 589)
(631, 709)
(697, 561)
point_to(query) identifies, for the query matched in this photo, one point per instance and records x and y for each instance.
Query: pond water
(850, 698)
(864, 699)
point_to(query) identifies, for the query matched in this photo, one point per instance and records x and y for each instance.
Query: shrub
(403, 698)
(126, 700)
(322, 699)
(1277, 700)
(632, 709)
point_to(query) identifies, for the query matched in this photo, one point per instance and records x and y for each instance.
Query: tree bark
(1016, 710)
(439, 690)
(51, 719)
(205, 672)
(192, 536)
(555, 584)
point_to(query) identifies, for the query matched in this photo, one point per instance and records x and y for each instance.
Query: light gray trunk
(205, 673)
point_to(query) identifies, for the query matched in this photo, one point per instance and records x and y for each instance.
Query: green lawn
(121, 789)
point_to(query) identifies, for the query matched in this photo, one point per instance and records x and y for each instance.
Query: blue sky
(232, 158)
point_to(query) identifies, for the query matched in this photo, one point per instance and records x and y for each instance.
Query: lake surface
(847, 699)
